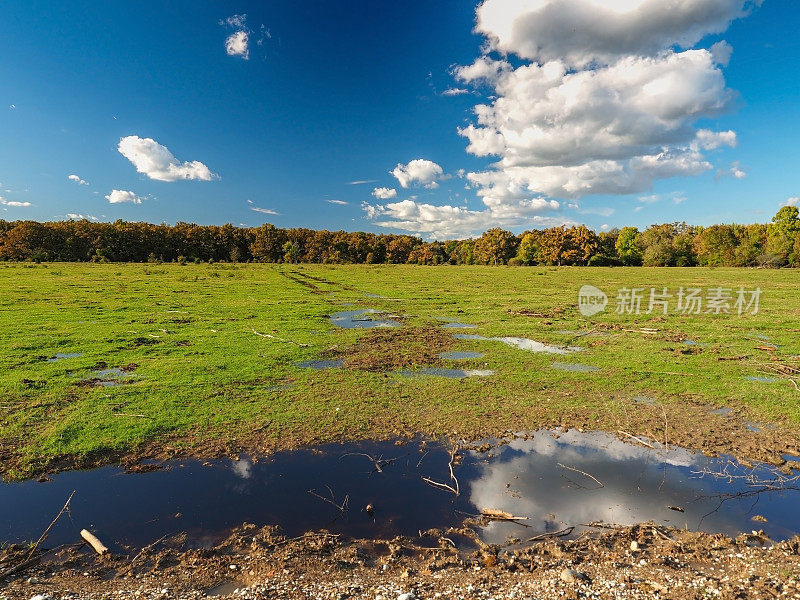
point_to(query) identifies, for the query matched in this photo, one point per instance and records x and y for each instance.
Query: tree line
(774, 244)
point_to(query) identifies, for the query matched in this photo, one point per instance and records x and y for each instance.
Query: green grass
(203, 375)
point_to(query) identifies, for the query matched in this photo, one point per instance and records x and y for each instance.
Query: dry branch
(90, 538)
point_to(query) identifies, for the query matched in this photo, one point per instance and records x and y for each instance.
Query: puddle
(360, 319)
(64, 355)
(282, 387)
(552, 479)
(522, 343)
(725, 411)
(110, 377)
(460, 355)
(791, 457)
(321, 364)
(448, 373)
(371, 295)
(455, 325)
(574, 367)
(648, 400)
(761, 379)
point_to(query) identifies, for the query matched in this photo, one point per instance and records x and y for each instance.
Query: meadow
(199, 375)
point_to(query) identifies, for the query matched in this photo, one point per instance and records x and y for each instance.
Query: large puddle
(552, 480)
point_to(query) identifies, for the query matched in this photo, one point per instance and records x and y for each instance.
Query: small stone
(407, 596)
(33, 580)
(634, 546)
(573, 576)
(233, 567)
(42, 597)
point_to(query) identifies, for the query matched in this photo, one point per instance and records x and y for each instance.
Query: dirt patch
(634, 562)
(382, 349)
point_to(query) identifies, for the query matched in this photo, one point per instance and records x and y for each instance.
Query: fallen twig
(49, 527)
(332, 500)
(641, 441)
(274, 337)
(379, 462)
(552, 534)
(592, 477)
(455, 490)
(494, 514)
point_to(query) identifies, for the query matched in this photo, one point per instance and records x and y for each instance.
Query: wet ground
(364, 318)
(550, 480)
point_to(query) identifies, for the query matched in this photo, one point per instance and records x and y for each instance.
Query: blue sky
(205, 112)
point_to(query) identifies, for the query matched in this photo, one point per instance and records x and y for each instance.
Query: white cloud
(122, 196)
(734, 171)
(793, 201)
(339, 202)
(12, 106)
(452, 221)
(77, 180)
(582, 32)
(722, 52)
(711, 140)
(602, 103)
(80, 217)
(157, 162)
(361, 181)
(455, 92)
(419, 171)
(266, 211)
(237, 21)
(236, 44)
(13, 203)
(384, 193)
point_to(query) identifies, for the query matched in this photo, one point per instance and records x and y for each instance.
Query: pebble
(572, 576)
(634, 546)
(407, 596)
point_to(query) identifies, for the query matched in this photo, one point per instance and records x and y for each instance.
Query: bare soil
(644, 561)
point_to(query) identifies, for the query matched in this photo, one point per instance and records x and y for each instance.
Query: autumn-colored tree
(495, 247)
(627, 246)
(715, 246)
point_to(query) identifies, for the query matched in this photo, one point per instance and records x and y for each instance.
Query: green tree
(627, 246)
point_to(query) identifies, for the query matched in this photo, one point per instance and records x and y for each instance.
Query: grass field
(201, 379)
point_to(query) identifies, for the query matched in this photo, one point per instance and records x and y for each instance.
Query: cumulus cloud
(384, 193)
(157, 162)
(793, 201)
(237, 44)
(419, 172)
(80, 217)
(601, 103)
(77, 180)
(122, 196)
(448, 221)
(582, 32)
(266, 211)
(14, 203)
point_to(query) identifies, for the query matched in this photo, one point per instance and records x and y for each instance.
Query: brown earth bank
(689, 424)
(643, 561)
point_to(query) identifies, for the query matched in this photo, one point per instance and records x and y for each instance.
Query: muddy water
(521, 343)
(553, 480)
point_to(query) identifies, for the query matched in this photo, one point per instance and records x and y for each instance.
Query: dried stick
(49, 527)
(592, 477)
(641, 441)
(544, 536)
(332, 500)
(274, 337)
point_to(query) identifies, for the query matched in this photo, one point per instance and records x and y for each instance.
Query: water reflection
(553, 479)
(522, 343)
